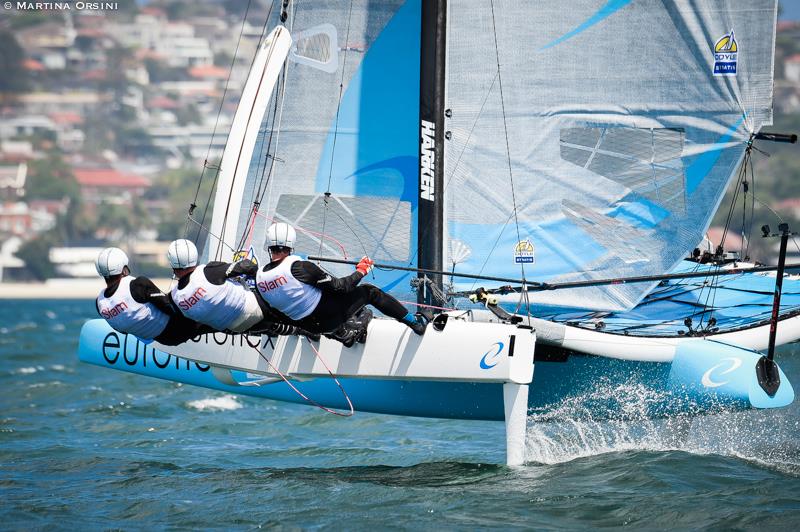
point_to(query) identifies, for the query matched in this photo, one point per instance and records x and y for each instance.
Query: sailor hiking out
(209, 294)
(137, 306)
(316, 300)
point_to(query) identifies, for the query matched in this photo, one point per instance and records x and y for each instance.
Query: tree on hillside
(36, 256)
(51, 178)
(14, 78)
(129, 219)
(178, 188)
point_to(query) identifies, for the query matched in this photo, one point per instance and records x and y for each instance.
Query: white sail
(622, 124)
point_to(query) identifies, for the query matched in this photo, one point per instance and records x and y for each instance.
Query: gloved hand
(365, 265)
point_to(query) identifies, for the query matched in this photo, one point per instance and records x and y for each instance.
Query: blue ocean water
(90, 448)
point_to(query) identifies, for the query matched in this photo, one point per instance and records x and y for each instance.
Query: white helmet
(111, 261)
(181, 254)
(280, 234)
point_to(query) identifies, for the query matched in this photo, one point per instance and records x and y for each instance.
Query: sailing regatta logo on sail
(426, 160)
(726, 51)
(524, 252)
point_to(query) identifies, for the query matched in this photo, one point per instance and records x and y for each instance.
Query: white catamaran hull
(657, 349)
(453, 373)
(461, 352)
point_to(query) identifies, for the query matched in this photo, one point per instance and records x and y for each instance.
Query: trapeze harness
(284, 292)
(219, 305)
(127, 315)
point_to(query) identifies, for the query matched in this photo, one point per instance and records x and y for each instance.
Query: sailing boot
(284, 329)
(344, 335)
(415, 322)
(360, 322)
(298, 331)
(313, 337)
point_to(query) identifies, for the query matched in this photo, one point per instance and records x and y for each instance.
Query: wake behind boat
(457, 140)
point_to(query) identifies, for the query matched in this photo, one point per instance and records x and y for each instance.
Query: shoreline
(62, 289)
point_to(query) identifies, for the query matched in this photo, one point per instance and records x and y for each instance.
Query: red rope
(426, 306)
(249, 240)
(304, 396)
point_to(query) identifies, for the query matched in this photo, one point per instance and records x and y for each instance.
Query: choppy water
(83, 447)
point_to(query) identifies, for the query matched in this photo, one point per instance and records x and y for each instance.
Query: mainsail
(596, 141)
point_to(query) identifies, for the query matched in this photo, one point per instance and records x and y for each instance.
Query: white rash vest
(282, 291)
(216, 305)
(127, 315)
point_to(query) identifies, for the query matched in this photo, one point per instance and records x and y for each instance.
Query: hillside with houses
(108, 118)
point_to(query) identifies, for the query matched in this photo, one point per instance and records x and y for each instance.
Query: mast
(430, 218)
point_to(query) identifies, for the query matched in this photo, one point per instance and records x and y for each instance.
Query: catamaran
(535, 175)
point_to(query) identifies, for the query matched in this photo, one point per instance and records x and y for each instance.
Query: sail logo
(726, 51)
(193, 299)
(427, 160)
(490, 359)
(115, 311)
(524, 252)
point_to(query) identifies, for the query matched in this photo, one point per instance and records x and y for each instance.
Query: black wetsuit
(342, 297)
(179, 328)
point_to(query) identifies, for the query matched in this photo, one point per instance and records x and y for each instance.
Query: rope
(250, 115)
(427, 306)
(277, 115)
(208, 230)
(193, 205)
(265, 177)
(524, 294)
(336, 129)
(752, 211)
(322, 236)
(304, 396)
(728, 218)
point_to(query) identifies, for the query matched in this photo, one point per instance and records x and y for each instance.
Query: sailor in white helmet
(314, 299)
(209, 294)
(137, 306)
